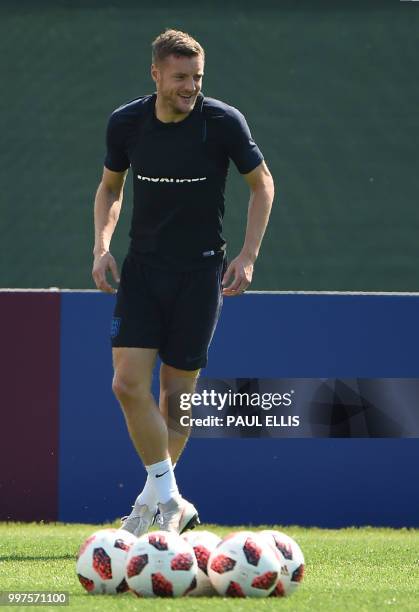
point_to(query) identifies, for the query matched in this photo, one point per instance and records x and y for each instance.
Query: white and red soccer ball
(203, 544)
(161, 564)
(292, 572)
(101, 561)
(244, 564)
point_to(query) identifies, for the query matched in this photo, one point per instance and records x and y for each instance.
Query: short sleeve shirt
(179, 174)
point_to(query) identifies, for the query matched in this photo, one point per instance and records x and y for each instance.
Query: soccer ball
(161, 564)
(244, 565)
(101, 561)
(203, 543)
(292, 572)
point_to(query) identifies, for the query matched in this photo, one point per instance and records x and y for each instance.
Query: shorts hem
(179, 365)
(140, 345)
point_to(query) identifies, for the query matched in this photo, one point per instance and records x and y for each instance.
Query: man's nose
(191, 85)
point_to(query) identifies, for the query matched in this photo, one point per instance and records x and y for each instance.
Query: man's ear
(154, 72)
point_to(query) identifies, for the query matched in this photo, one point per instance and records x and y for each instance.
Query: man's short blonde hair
(175, 42)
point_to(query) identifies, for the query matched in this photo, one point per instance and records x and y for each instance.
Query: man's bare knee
(127, 390)
(174, 382)
(133, 373)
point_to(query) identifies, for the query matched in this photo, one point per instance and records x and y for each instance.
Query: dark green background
(330, 90)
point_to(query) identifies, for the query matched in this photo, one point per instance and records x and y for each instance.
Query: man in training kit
(178, 144)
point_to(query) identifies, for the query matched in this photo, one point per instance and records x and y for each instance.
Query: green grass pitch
(347, 569)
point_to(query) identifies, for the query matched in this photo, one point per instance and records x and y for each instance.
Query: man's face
(178, 80)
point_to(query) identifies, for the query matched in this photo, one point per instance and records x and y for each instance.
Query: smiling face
(178, 81)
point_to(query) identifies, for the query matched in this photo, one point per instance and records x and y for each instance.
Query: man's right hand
(101, 265)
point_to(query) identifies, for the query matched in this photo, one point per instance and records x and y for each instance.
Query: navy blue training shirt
(179, 173)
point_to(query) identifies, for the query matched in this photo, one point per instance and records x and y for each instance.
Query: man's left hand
(240, 271)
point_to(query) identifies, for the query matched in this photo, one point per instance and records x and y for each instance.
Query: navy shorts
(173, 311)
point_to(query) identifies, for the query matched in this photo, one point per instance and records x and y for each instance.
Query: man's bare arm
(240, 269)
(108, 203)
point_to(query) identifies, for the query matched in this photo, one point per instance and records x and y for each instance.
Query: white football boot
(177, 515)
(139, 521)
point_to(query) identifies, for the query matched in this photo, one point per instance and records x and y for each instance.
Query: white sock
(163, 480)
(148, 495)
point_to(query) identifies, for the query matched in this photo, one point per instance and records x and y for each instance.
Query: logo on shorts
(115, 325)
(189, 359)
